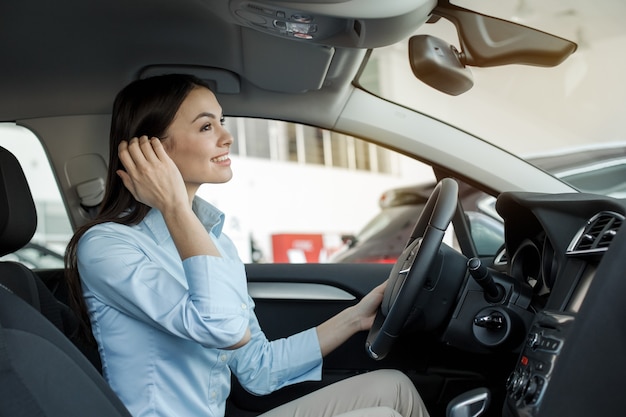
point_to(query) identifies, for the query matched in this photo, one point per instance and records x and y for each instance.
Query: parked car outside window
(386, 235)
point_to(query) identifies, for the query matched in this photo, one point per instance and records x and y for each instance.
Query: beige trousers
(384, 393)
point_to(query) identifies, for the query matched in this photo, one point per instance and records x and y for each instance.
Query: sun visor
(284, 65)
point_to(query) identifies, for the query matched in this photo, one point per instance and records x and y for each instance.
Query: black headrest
(18, 216)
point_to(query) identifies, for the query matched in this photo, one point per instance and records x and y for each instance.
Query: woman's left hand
(368, 306)
(336, 330)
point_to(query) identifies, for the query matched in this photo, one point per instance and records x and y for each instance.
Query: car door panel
(293, 297)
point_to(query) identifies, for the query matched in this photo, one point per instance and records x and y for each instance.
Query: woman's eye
(206, 127)
(222, 120)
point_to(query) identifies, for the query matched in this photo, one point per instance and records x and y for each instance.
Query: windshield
(534, 112)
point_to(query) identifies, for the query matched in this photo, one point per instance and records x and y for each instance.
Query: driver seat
(42, 373)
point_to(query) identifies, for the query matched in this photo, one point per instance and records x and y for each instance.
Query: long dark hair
(144, 107)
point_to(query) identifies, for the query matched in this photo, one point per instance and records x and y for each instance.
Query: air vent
(597, 234)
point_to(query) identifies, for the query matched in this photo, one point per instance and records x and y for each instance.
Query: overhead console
(347, 23)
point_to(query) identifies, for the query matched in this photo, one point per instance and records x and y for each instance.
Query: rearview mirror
(485, 41)
(438, 64)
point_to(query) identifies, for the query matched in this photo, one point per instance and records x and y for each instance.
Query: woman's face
(197, 141)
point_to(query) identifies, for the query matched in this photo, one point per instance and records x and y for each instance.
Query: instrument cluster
(534, 262)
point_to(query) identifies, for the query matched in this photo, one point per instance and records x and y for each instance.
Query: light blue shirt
(161, 323)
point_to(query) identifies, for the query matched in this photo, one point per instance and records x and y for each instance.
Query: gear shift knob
(469, 404)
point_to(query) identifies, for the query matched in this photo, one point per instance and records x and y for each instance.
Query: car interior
(535, 328)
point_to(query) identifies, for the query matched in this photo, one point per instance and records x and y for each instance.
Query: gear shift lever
(469, 404)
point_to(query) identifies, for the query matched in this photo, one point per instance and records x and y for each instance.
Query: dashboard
(556, 246)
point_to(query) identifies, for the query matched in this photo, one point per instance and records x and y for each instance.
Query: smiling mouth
(220, 158)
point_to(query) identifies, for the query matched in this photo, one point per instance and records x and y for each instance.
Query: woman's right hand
(150, 174)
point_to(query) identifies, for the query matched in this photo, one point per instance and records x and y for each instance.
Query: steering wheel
(408, 275)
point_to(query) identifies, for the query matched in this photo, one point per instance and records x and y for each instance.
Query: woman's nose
(226, 139)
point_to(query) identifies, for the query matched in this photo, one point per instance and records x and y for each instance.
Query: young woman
(163, 292)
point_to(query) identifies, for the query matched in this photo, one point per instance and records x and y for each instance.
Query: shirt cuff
(306, 362)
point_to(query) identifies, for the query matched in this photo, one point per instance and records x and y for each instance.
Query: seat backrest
(42, 372)
(18, 217)
(18, 222)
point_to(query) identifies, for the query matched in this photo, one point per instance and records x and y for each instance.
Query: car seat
(42, 372)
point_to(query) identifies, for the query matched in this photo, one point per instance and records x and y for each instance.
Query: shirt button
(223, 357)
(244, 306)
(213, 395)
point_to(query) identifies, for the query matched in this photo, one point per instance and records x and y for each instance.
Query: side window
(303, 194)
(47, 246)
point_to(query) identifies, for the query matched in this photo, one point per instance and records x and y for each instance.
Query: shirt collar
(210, 216)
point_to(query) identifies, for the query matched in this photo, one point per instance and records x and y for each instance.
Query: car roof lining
(93, 47)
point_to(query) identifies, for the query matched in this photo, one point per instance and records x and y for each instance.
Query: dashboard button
(540, 366)
(534, 340)
(548, 343)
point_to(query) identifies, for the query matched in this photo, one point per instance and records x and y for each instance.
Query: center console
(548, 334)
(527, 383)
